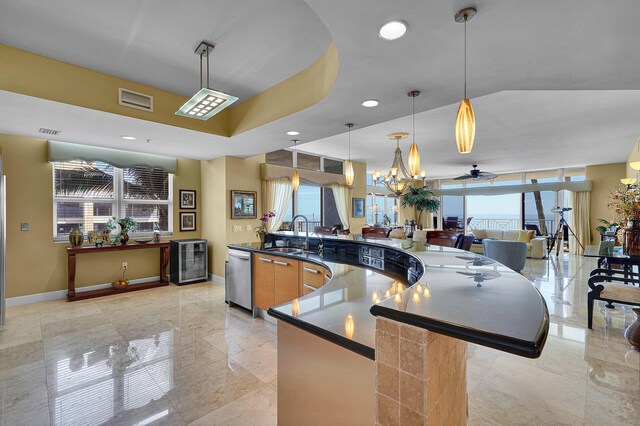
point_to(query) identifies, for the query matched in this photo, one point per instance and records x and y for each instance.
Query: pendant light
(207, 102)
(295, 180)
(348, 165)
(465, 120)
(414, 154)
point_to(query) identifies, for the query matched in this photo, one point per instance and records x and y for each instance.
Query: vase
(632, 333)
(76, 238)
(262, 236)
(631, 244)
(124, 237)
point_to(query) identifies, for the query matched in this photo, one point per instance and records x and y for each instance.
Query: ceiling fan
(476, 174)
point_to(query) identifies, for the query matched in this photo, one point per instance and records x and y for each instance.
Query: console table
(72, 295)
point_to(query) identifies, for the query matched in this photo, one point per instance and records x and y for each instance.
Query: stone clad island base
(418, 378)
(421, 376)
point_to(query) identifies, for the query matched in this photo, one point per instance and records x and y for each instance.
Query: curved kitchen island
(384, 341)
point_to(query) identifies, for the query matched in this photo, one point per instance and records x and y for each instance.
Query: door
(286, 280)
(263, 281)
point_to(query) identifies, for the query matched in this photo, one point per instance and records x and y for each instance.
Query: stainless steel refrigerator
(3, 242)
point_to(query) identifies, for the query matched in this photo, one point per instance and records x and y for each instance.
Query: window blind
(88, 194)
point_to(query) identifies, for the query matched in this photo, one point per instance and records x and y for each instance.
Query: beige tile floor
(178, 355)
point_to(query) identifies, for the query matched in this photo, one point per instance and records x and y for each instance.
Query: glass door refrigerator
(188, 261)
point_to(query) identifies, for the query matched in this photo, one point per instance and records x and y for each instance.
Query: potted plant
(607, 226)
(261, 231)
(421, 200)
(127, 225)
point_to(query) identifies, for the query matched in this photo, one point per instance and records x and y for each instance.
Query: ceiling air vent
(136, 100)
(49, 131)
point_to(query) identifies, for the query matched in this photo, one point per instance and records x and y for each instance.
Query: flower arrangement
(126, 224)
(626, 205)
(264, 219)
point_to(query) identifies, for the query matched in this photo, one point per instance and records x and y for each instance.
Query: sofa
(536, 246)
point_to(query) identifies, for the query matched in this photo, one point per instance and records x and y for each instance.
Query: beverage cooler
(188, 261)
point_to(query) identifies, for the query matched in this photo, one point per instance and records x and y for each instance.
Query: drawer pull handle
(313, 271)
(280, 263)
(311, 287)
(265, 260)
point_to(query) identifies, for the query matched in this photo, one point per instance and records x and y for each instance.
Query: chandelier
(399, 179)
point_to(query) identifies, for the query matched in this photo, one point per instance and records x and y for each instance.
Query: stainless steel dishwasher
(238, 286)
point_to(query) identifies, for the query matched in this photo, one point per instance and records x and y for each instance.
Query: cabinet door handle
(280, 263)
(310, 287)
(265, 260)
(313, 271)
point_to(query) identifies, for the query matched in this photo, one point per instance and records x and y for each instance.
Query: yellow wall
(35, 264)
(42, 77)
(219, 178)
(359, 191)
(605, 178)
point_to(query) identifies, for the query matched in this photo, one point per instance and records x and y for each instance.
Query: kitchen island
(386, 337)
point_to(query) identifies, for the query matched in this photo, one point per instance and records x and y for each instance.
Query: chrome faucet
(306, 227)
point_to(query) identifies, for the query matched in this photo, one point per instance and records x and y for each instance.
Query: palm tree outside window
(87, 194)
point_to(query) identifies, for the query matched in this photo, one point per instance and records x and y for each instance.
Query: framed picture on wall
(358, 207)
(243, 205)
(187, 199)
(187, 221)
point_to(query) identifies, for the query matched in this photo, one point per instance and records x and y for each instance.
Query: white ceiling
(153, 41)
(514, 46)
(515, 131)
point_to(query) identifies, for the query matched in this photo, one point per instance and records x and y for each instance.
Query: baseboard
(62, 294)
(216, 279)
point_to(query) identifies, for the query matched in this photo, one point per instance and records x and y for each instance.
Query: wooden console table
(71, 258)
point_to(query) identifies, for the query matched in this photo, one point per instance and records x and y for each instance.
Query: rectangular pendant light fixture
(207, 102)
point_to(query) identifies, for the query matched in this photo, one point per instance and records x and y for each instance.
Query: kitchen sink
(289, 250)
(286, 249)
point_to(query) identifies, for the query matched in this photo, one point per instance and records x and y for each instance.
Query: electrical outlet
(124, 265)
(237, 228)
(248, 228)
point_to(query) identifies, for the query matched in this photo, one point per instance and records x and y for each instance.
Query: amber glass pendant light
(465, 119)
(414, 154)
(348, 165)
(295, 180)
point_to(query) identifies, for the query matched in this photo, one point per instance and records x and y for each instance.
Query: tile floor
(178, 355)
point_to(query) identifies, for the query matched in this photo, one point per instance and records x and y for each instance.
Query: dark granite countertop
(460, 294)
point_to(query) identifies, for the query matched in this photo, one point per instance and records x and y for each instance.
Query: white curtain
(342, 195)
(580, 202)
(276, 196)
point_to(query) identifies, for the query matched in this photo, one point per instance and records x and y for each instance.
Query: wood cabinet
(263, 281)
(313, 277)
(277, 280)
(286, 280)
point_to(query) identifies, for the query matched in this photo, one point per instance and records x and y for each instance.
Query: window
(381, 210)
(87, 194)
(281, 157)
(333, 166)
(308, 162)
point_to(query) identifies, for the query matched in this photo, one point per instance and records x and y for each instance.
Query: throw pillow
(480, 233)
(526, 236)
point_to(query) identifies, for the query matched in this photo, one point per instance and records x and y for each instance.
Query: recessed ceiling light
(129, 138)
(370, 103)
(293, 133)
(392, 30)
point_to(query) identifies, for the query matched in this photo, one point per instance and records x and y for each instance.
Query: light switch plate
(248, 227)
(237, 228)
(24, 226)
